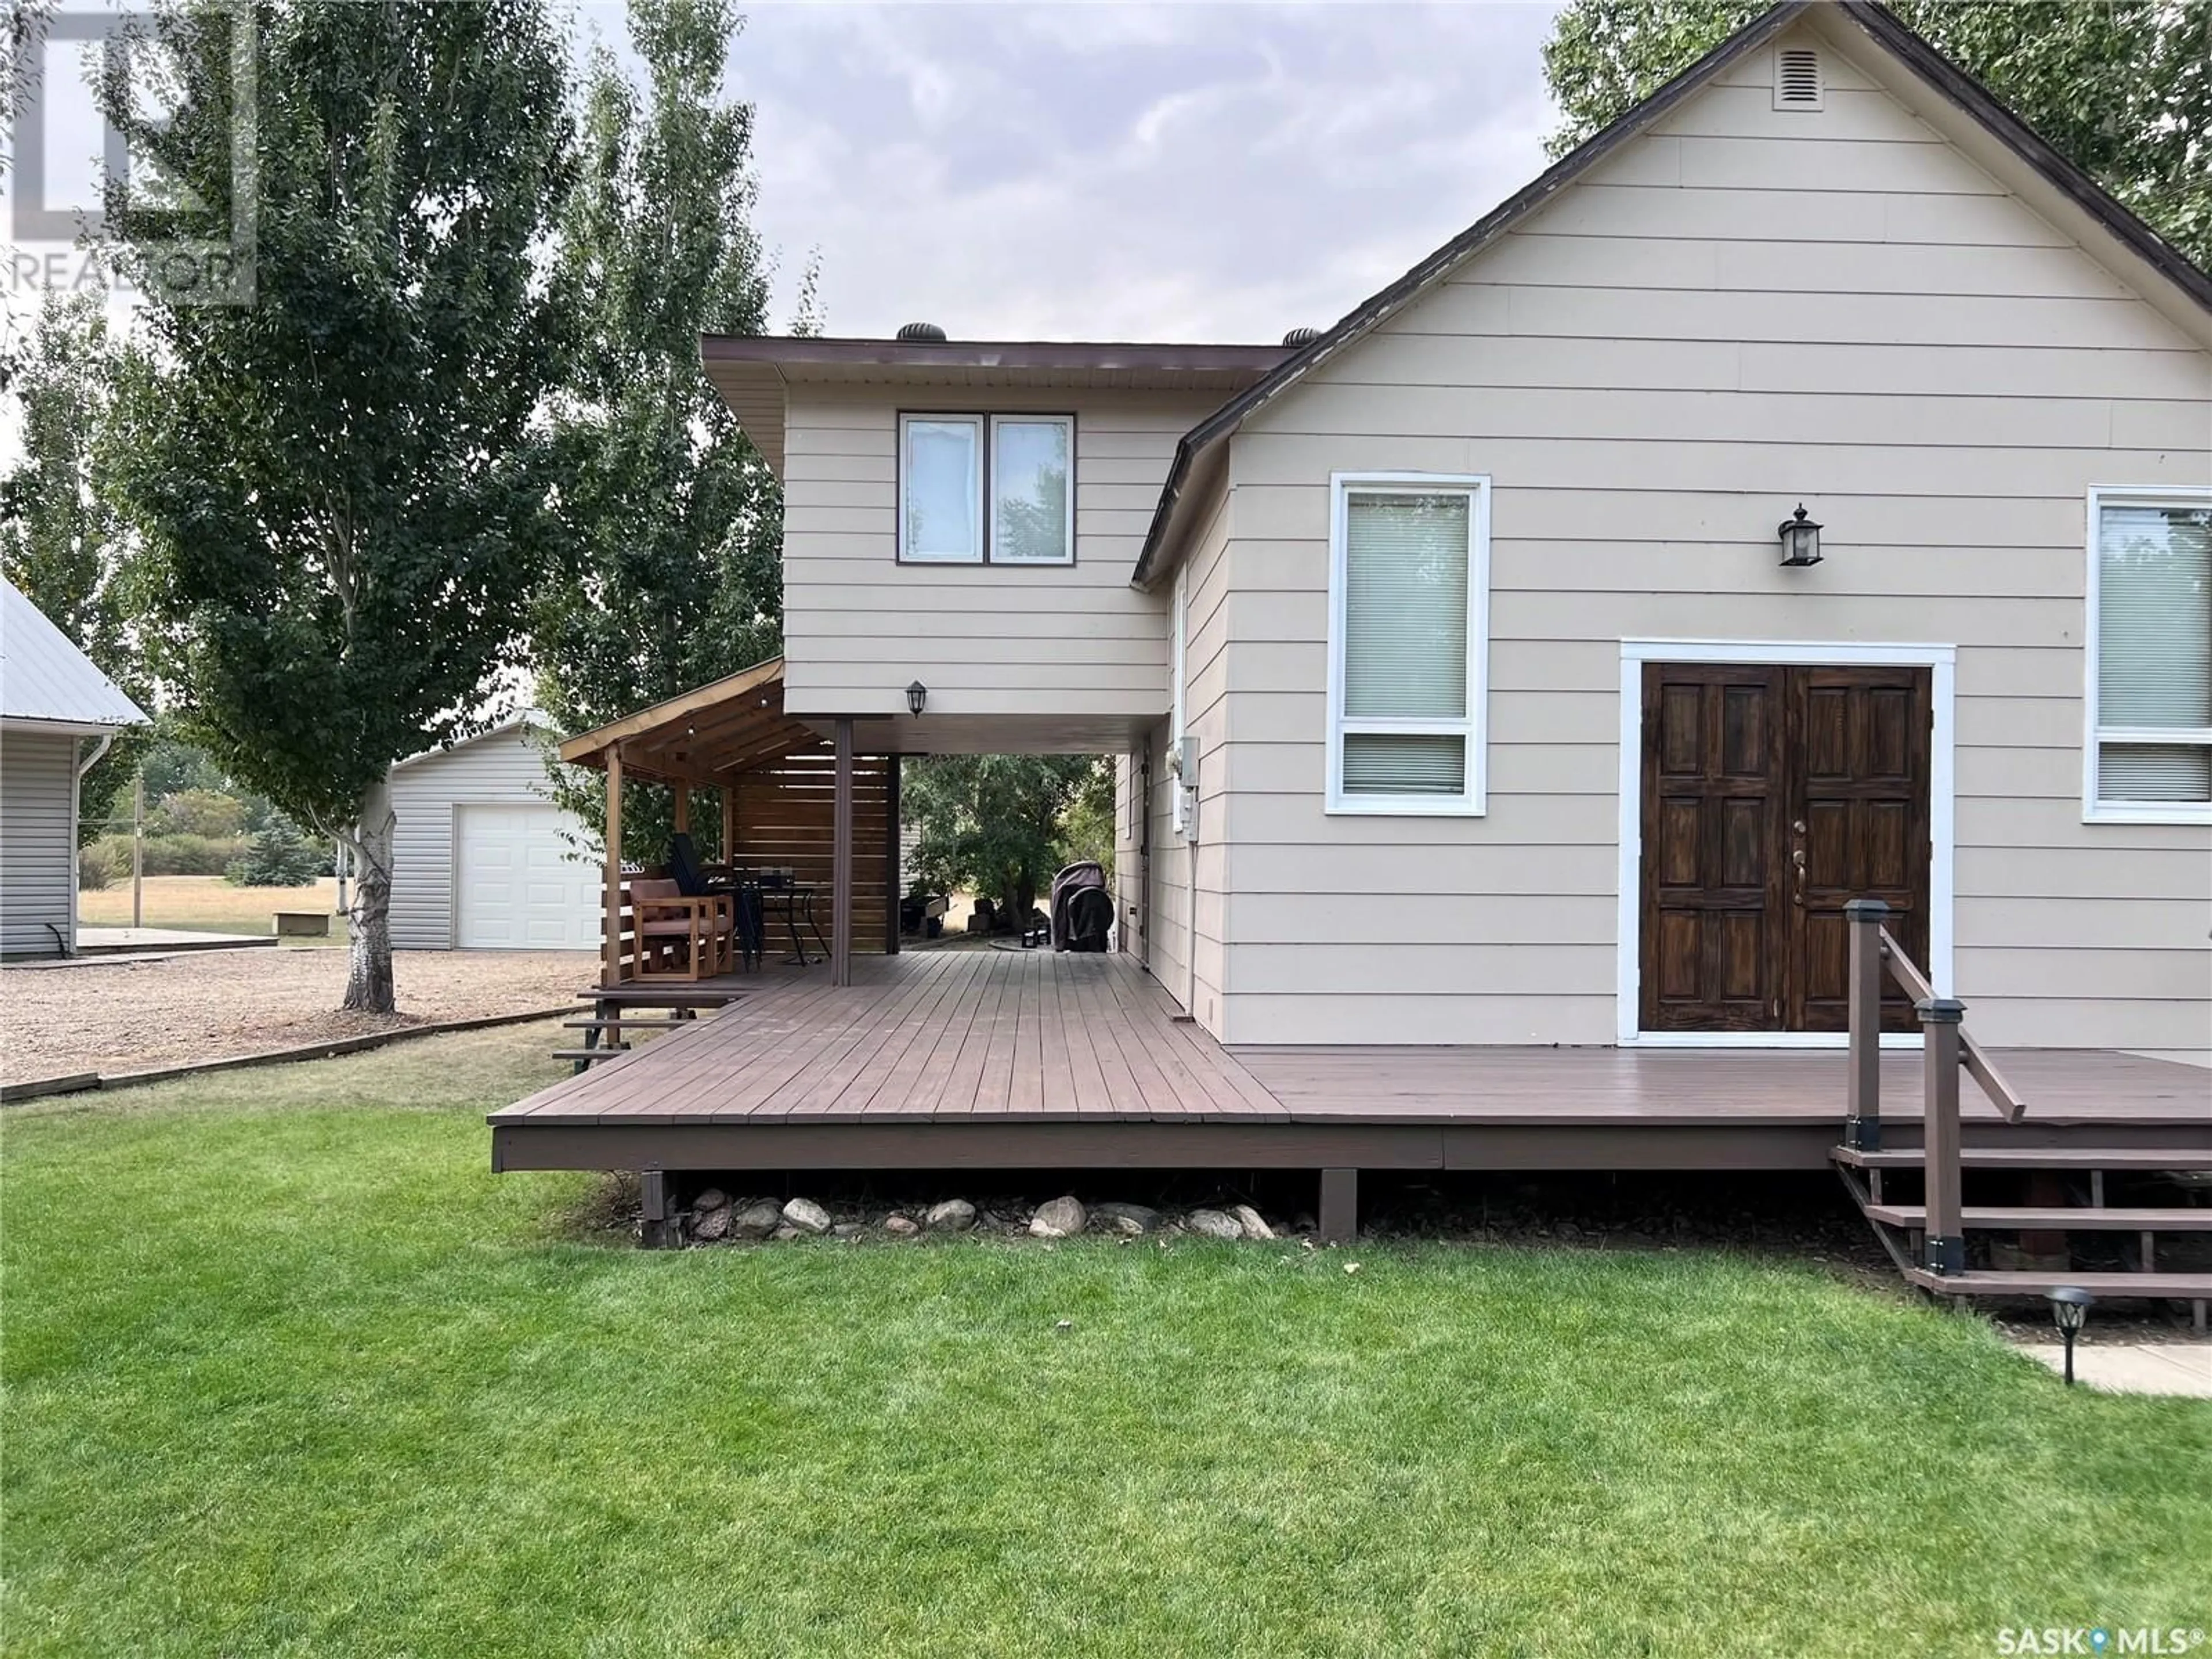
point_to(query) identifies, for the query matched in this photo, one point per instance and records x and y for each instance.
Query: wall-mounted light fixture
(1801, 539)
(917, 698)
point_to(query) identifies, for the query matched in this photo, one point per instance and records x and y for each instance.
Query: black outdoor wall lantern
(1801, 539)
(917, 696)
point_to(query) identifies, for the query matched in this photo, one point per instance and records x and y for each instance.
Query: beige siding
(37, 847)
(501, 769)
(986, 640)
(1749, 309)
(1210, 593)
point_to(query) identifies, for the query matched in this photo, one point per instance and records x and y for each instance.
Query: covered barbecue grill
(1082, 910)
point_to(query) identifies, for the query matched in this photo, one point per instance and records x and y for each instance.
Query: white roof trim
(528, 717)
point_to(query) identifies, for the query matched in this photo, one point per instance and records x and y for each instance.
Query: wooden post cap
(1864, 909)
(1941, 1010)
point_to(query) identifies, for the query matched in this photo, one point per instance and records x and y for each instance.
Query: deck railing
(1948, 1049)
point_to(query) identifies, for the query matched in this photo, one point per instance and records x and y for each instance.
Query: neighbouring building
(58, 712)
(482, 858)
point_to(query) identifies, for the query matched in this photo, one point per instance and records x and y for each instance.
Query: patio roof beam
(585, 749)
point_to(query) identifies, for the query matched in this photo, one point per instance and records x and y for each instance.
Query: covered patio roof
(788, 799)
(702, 736)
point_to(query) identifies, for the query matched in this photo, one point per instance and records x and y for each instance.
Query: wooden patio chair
(682, 936)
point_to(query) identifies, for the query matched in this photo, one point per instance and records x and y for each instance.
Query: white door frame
(1942, 661)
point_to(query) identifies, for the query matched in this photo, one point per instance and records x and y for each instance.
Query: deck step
(663, 996)
(2039, 1158)
(589, 1054)
(624, 1022)
(2076, 1218)
(2185, 1286)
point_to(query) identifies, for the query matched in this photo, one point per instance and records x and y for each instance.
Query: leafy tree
(172, 767)
(670, 525)
(1001, 824)
(196, 812)
(342, 497)
(64, 539)
(2122, 89)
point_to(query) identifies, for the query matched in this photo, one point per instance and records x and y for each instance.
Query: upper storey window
(977, 489)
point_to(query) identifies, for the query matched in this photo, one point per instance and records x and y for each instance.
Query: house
(58, 714)
(481, 857)
(1467, 616)
(1498, 742)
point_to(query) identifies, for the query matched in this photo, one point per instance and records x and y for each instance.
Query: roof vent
(1797, 81)
(1299, 338)
(921, 332)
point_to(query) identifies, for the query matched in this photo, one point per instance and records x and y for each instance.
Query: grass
(208, 904)
(290, 1371)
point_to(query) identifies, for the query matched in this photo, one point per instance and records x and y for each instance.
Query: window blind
(1404, 763)
(2155, 617)
(2153, 772)
(943, 488)
(1405, 607)
(2154, 651)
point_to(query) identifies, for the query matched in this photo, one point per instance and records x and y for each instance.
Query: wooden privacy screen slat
(784, 811)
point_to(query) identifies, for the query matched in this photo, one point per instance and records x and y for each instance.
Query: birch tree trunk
(368, 969)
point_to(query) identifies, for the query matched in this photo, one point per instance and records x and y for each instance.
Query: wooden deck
(994, 1058)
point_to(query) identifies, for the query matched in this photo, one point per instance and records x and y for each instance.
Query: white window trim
(1179, 690)
(1065, 424)
(1941, 662)
(2094, 810)
(1475, 486)
(906, 554)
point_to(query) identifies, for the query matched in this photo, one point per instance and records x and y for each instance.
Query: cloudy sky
(1168, 173)
(1180, 171)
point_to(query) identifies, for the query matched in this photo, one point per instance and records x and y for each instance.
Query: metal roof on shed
(45, 679)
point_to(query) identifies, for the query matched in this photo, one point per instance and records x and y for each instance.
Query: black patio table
(794, 901)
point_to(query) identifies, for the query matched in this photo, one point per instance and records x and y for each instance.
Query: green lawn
(289, 1372)
(208, 904)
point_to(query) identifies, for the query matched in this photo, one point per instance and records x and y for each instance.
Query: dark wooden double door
(1772, 795)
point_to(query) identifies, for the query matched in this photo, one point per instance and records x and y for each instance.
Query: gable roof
(523, 720)
(1878, 23)
(45, 680)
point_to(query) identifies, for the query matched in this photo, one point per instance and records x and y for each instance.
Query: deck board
(980, 1036)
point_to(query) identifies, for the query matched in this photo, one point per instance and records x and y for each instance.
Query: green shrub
(100, 866)
(277, 857)
(191, 855)
(207, 813)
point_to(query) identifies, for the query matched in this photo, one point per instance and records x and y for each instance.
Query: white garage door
(519, 888)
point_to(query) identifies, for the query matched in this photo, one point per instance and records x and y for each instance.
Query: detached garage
(481, 860)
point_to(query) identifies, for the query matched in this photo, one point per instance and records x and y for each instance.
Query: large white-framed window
(941, 488)
(1178, 688)
(1409, 642)
(1032, 490)
(2147, 724)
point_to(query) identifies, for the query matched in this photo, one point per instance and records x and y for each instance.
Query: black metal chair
(684, 868)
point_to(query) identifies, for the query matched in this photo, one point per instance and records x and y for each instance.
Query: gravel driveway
(95, 1016)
